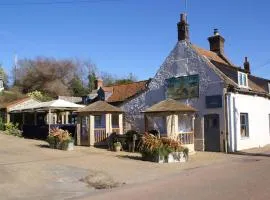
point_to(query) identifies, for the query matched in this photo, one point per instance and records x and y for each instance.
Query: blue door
(211, 132)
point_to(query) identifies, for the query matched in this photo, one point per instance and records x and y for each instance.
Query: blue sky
(123, 36)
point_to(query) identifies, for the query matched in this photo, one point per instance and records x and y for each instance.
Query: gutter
(226, 128)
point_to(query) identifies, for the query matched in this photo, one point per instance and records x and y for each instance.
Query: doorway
(212, 132)
(85, 131)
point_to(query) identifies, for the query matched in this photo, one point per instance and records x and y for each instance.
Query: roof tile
(124, 91)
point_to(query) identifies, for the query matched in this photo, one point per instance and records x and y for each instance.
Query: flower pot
(70, 146)
(177, 157)
(117, 148)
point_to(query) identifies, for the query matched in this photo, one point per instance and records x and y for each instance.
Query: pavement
(30, 170)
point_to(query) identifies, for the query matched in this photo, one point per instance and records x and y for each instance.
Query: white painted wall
(258, 109)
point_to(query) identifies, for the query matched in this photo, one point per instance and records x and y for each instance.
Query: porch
(97, 122)
(172, 119)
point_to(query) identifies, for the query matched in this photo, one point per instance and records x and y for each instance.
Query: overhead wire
(54, 2)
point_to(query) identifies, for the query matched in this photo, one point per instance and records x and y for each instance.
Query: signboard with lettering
(214, 101)
(182, 87)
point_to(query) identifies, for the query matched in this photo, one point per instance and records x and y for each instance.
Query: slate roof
(229, 73)
(100, 107)
(169, 105)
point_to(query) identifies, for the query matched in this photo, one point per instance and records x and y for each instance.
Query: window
(269, 87)
(244, 125)
(242, 79)
(115, 121)
(98, 121)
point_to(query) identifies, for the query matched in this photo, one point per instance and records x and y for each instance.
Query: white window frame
(245, 125)
(242, 79)
(269, 122)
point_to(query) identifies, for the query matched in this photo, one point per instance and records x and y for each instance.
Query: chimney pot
(183, 17)
(183, 28)
(216, 31)
(247, 65)
(98, 83)
(216, 42)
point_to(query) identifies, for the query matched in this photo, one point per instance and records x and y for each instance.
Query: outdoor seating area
(38, 119)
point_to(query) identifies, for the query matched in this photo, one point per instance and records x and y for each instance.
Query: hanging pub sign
(214, 101)
(182, 87)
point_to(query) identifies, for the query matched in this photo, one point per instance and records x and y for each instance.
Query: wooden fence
(186, 138)
(100, 135)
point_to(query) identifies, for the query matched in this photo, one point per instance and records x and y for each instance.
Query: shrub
(59, 139)
(2, 124)
(152, 147)
(12, 129)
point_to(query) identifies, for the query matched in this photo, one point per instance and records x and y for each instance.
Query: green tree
(39, 96)
(91, 81)
(77, 87)
(110, 80)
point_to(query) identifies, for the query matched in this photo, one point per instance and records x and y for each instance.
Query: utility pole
(186, 6)
(15, 68)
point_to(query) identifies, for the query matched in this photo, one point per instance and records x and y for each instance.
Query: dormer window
(242, 79)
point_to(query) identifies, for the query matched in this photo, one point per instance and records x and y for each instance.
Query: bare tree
(48, 75)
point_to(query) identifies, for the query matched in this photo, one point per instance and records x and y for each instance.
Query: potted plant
(67, 145)
(117, 146)
(162, 150)
(52, 141)
(60, 139)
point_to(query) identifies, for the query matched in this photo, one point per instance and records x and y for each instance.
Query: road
(245, 177)
(31, 171)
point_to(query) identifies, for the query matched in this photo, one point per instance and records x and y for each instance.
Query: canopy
(58, 104)
(169, 105)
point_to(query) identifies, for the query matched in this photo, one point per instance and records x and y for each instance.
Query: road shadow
(43, 145)
(251, 154)
(135, 157)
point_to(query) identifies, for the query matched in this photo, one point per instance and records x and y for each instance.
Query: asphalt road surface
(245, 177)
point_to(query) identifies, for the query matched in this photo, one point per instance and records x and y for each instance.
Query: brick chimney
(98, 83)
(247, 65)
(217, 43)
(183, 28)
